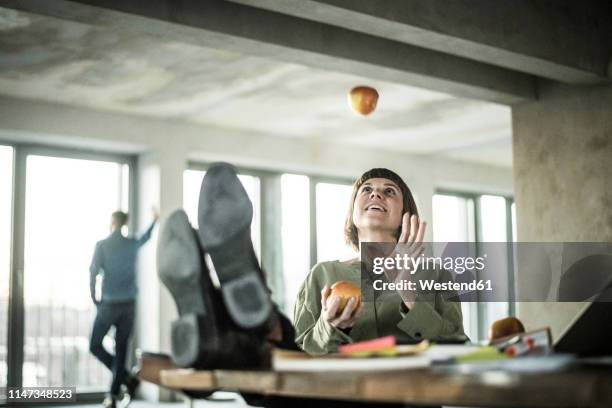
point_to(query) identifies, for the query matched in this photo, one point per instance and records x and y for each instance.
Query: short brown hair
(409, 205)
(120, 218)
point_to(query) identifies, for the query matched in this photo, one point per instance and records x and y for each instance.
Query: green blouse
(431, 317)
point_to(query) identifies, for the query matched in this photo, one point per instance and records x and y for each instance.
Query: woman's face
(378, 206)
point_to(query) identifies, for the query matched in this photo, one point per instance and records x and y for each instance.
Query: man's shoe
(109, 402)
(224, 215)
(125, 401)
(131, 384)
(204, 336)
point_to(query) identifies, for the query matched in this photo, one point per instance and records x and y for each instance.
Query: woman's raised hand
(412, 233)
(410, 242)
(330, 313)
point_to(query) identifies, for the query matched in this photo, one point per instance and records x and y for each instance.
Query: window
(453, 219)
(67, 210)
(55, 204)
(460, 217)
(295, 212)
(313, 215)
(332, 203)
(192, 180)
(493, 219)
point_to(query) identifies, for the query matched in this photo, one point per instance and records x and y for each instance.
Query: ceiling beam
(565, 41)
(233, 27)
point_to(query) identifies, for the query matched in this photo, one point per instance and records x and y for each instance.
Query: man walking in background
(115, 259)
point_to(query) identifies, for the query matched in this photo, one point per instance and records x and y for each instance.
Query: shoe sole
(179, 261)
(224, 215)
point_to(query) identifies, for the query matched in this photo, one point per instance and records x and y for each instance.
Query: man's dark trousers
(120, 315)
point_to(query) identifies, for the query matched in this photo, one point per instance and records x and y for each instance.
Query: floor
(226, 400)
(235, 402)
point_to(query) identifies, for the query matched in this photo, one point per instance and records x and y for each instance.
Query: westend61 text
(433, 285)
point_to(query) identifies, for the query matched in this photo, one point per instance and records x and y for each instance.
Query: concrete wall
(157, 187)
(563, 179)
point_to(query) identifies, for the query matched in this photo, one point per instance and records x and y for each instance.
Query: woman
(382, 209)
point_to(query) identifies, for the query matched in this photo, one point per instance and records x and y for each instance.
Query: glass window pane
(192, 181)
(493, 229)
(493, 219)
(495, 311)
(6, 194)
(513, 215)
(295, 235)
(252, 187)
(332, 207)
(68, 207)
(469, 310)
(453, 219)
(125, 188)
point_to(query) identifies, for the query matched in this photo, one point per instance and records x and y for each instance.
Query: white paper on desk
(327, 363)
(351, 364)
(444, 352)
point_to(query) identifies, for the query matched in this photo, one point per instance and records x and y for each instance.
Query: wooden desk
(460, 385)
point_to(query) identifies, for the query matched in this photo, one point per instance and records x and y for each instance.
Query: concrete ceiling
(50, 59)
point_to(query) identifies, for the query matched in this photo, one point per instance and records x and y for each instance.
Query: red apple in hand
(346, 290)
(363, 99)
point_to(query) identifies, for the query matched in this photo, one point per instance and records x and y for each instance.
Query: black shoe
(131, 384)
(109, 402)
(204, 335)
(125, 401)
(224, 214)
(179, 262)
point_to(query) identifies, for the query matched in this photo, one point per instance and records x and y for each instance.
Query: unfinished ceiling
(51, 59)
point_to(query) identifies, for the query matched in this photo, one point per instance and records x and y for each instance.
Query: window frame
(267, 178)
(510, 239)
(16, 306)
(313, 181)
(262, 175)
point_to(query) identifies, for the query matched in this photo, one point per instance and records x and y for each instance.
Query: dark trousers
(288, 340)
(120, 315)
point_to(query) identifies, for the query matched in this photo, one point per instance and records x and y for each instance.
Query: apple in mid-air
(363, 99)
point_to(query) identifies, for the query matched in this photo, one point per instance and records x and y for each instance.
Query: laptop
(590, 334)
